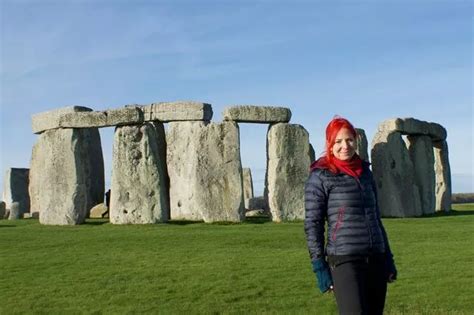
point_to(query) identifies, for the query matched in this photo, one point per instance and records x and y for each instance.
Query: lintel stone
(412, 126)
(178, 111)
(257, 114)
(51, 119)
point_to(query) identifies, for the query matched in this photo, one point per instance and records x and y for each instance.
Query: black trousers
(360, 284)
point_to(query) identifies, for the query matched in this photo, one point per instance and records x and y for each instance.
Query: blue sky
(365, 60)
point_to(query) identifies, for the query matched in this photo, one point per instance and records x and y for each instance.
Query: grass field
(254, 267)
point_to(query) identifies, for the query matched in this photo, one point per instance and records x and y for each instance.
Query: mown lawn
(258, 267)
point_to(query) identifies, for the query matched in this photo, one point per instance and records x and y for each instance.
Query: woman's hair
(336, 124)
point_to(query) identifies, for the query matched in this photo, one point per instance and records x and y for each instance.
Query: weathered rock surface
(362, 145)
(51, 119)
(247, 182)
(288, 160)
(3, 210)
(205, 171)
(422, 157)
(255, 213)
(15, 188)
(411, 126)
(62, 165)
(397, 193)
(15, 213)
(256, 203)
(443, 176)
(178, 111)
(99, 211)
(257, 114)
(139, 192)
(129, 115)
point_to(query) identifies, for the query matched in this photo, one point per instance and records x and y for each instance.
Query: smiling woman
(355, 260)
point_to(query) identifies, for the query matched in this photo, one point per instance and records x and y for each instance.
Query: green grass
(258, 267)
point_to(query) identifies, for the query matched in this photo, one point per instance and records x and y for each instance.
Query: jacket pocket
(339, 222)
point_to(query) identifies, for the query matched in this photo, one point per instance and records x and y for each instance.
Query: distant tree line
(462, 198)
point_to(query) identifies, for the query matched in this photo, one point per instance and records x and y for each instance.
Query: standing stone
(139, 186)
(443, 176)
(62, 163)
(397, 193)
(288, 160)
(15, 213)
(362, 145)
(95, 168)
(15, 188)
(2, 210)
(247, 182)
(422, 157)
(205, 171)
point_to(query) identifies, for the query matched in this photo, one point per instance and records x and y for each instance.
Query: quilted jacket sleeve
(315, 215)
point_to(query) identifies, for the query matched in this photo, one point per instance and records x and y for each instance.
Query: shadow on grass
(96, 221)
(183, 222)
(7, 226)
(450, 213)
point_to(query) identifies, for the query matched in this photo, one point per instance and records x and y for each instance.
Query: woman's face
(344, 146)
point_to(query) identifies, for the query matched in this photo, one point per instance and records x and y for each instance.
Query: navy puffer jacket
(350, 207)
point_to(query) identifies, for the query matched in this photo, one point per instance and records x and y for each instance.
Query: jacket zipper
(340, 217)
(365, 213)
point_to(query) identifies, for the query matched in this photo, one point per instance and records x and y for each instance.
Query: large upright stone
(3, 210)
(139, 192)
(247, 182)
(51, 119)
(443, 176)
(422, 157)
(257, 114)
(15, 188)
(205, 171)
(362, 145)
(397, 193)
(61, 171)
(178, 111)
(288, 161)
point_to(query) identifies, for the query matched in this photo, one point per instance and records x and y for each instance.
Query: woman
(356, 261)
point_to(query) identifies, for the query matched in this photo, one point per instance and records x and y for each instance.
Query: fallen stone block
(98, 211)
(51, 119)
(257, 114)
(178, 111)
